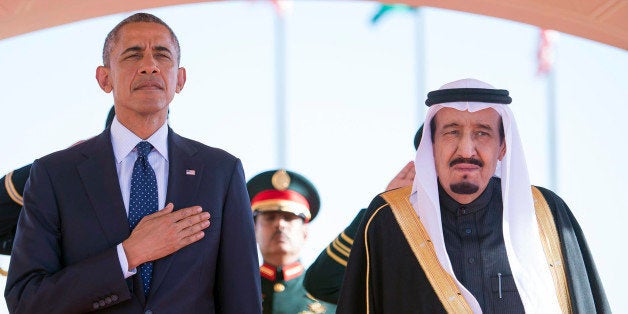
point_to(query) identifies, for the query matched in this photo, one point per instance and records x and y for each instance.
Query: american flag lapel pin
(190, 172)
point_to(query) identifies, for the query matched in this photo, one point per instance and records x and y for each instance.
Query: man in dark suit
(90, 237)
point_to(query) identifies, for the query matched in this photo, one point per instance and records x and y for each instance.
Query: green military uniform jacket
(283, 292)
(324, 277)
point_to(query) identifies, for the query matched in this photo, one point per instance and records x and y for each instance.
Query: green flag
(388, 8)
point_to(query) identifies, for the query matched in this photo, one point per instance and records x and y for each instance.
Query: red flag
(282, 6)
(545, 54)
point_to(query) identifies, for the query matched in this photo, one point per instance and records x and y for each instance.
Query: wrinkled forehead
(144, 33)
(448, 115)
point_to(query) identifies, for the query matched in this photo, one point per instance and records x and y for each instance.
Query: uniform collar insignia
(288, 272)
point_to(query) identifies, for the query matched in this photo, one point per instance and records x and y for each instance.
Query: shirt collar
(124, 141)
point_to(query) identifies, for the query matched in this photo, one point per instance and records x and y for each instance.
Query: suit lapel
(184, 176)
(100, 179)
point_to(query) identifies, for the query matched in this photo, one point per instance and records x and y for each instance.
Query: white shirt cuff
(124, 263)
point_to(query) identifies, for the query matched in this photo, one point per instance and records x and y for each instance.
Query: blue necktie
(143, 200)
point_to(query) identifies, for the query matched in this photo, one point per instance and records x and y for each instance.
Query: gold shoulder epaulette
(10, 187)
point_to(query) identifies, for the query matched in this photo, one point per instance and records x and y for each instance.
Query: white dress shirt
(124, 142)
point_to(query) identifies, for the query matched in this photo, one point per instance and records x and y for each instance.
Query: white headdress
(521, 235)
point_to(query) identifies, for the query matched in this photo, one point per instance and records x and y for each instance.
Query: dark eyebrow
(484, 126)
(132, 49)
(138, 48)
(450, 125)
(162, 48)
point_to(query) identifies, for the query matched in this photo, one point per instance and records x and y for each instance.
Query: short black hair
(112, 37)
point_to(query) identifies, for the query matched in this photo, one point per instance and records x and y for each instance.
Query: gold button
(279, 287)
(316, 307)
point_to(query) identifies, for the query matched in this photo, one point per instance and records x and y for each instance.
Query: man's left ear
(180, 79)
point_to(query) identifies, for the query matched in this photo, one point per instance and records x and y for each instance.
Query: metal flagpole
(551, 129)
(546, 57)
(545, 68)
(419, 22)
(280, 89)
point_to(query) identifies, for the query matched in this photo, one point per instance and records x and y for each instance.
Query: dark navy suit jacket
(65, 260)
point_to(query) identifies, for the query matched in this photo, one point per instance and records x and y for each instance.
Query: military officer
(283, 203)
